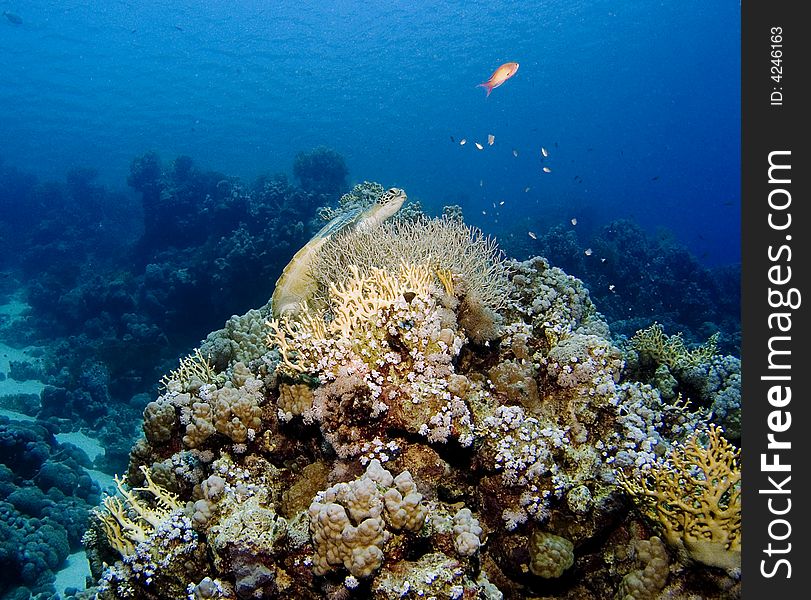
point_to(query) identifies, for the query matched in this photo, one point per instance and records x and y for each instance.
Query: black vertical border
(766, 128)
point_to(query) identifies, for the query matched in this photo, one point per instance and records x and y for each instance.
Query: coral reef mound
(446, 423)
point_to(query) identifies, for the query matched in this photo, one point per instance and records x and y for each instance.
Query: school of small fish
(499, 76)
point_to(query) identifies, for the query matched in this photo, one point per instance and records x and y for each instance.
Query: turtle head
(389, 203)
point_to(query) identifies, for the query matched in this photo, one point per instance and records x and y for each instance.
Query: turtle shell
(296, 285)
(337, 223)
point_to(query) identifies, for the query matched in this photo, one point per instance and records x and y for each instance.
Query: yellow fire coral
(670, 349)
(695, 498)
(129, 521)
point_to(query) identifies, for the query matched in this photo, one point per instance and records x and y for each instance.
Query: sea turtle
(296, 285)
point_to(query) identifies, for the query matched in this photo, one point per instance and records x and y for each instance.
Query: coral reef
(698, 374)
(517, 446)
(653, 276)
(45, 502)
(522, 435)
(321, 171)
(117, 287)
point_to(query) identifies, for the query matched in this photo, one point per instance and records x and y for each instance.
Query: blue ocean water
(637, 102)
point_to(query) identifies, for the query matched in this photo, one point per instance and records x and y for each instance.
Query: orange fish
(502, 74)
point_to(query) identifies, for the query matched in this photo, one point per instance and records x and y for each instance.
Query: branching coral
(367, 313)
(460, 255)
(654, 343)
(129, 521)
(695, 498)
(194, 368)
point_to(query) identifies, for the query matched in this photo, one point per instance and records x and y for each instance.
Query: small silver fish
(587, 252)
(462, 142)
(574, 221)
(532, 235)
(547, 170)
(526, 189)
(479, 146)
(484, 212)
(544, 152)
(602, 260)
(501, 203)
(491, 139)
(611, 288)
(515, 153)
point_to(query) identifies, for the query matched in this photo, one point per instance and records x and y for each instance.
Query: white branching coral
(452, 248)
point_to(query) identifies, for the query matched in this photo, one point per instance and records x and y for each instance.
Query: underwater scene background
(443, 416)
